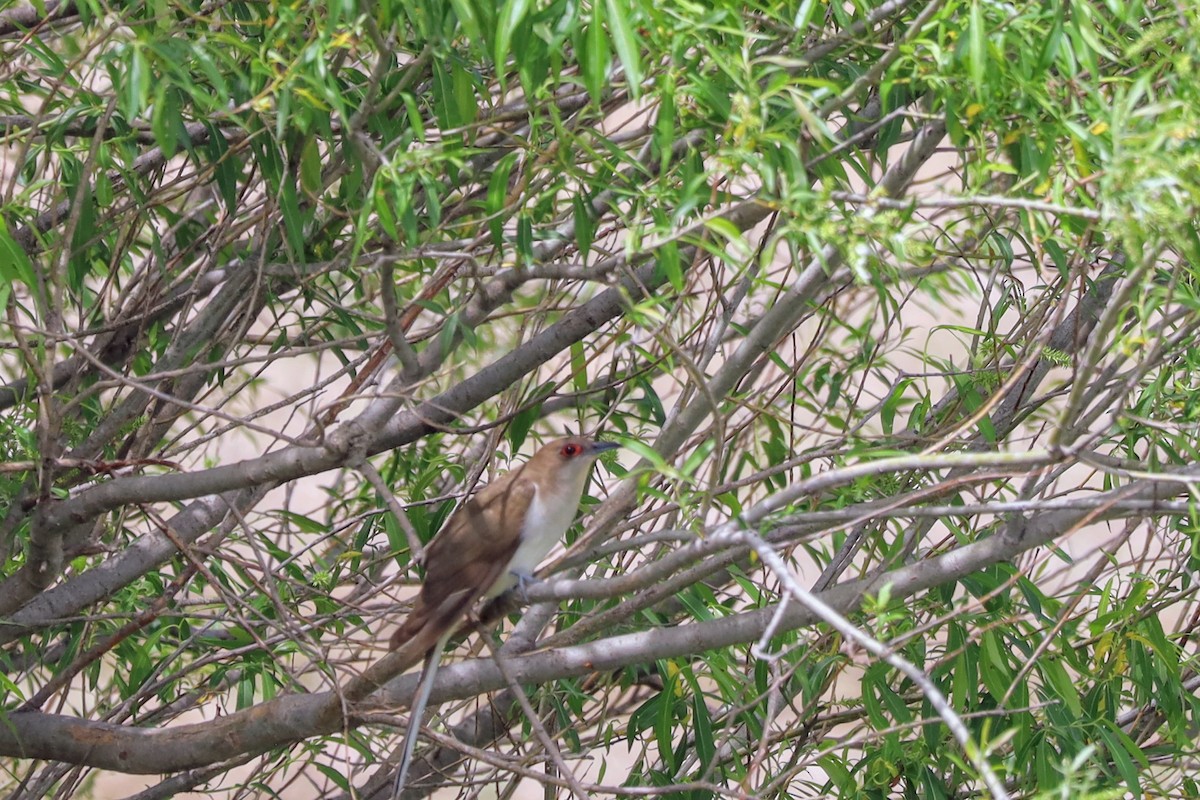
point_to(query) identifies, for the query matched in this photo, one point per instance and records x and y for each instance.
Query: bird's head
(568, 459)
(579, 448)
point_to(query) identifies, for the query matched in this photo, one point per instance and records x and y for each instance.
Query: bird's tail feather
(417, 711)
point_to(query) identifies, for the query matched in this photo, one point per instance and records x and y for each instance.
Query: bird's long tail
(416, 711)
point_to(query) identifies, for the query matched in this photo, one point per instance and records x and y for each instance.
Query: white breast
(545, 523)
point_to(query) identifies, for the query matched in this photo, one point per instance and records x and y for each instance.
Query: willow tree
(892, 304)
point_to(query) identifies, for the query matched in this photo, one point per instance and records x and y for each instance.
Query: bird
(491, 544)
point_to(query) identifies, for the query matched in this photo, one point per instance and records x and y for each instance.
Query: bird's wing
(467, 557)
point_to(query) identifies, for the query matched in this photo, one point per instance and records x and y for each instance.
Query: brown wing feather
(467, 557)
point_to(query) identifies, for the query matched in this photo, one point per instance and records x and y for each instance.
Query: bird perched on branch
(492, 543)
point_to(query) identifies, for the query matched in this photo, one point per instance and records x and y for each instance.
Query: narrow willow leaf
(164, 119)
(136, 83)
(310, 167)
(464, 105)
(511, 15)
(596, 55)
(1114, 741)
(664, 123)
(977, 47)
(579, 378)
(703, 727)
(521, 424)
(468, 19)
(524, 239)
(585, 227)
(14, 262)
(804, 16)
(293, 220)
(497, 197)
(671, 265)
(625, 40)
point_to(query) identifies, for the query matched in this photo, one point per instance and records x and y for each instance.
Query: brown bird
(492, 543)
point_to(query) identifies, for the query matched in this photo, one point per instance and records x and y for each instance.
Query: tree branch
(295, 717)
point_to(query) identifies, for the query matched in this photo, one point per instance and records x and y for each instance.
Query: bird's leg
(524, 581)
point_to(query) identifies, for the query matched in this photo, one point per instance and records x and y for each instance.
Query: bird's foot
(524, 581)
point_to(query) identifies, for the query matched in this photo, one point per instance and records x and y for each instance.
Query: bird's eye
(570, 450)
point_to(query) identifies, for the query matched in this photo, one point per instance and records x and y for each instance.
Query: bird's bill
(603, 447)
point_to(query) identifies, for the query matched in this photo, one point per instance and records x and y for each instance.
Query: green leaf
(585, 227)
(310, 167)
(737, 246)
(165, 121)
(804, 15)
(335, 776)
(1119, 747)
(383, 212)
(671, 265)
(512, 13)
(293, 220)
(468, 19)
(703, 731)
(136, 82)
(595, 54)
(977, 47)
(838, 773)
(1049, 51)
(664, 727)
(626, 41)
(1061, 686)
(520, 425)
(497, 197)
(225, 166)
(10, 689)
(524, 239)
(245, 689)
(83, 242)
(305, 524)
(14, 263)
(579, 378)
(986, 429)
(464, 104)
(872, 683)
(643, 717)
(665, 133)
(887, 412)
(645, 451)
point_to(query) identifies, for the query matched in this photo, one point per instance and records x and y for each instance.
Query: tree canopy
(893, 306)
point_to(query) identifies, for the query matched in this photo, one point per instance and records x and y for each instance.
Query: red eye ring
(570, 450)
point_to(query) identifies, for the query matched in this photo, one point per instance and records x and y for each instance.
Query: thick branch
(292, 718)
(217, 487)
